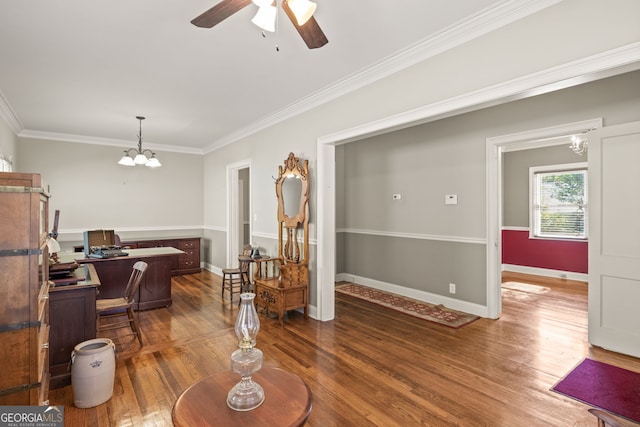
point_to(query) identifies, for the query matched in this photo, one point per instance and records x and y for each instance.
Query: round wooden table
(287, 401)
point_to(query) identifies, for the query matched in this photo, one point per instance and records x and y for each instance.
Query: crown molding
(605, 64)
(82, 139)
(9, 116)
(457, 34)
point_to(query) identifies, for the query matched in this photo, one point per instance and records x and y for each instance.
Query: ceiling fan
(309, 31)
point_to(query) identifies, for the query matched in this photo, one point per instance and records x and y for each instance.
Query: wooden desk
(287, 401)
(72, 316)
(155, 288)
(185, 263)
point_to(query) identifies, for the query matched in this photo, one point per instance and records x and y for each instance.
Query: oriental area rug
(422, 310)
(607, 387)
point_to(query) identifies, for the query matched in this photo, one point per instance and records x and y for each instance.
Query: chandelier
(137, 156)
(579, 144)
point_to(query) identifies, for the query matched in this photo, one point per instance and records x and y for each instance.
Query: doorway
(239, 209)
(496, 147)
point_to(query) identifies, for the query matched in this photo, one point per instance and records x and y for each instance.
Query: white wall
(92, 191)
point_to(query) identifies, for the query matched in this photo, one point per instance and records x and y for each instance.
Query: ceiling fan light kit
(262, 3)
(266, 18)
(299, 12)
(302, 9)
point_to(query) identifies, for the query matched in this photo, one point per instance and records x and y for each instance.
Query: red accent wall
(563, 255)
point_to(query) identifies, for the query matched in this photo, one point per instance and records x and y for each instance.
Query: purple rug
(607, 387)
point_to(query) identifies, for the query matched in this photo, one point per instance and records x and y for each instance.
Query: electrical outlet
(452, 288)
(396, 196)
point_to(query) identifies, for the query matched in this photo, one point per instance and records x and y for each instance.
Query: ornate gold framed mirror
(292, 190)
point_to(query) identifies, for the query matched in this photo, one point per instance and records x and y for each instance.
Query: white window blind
(559, 203)
(5, 164)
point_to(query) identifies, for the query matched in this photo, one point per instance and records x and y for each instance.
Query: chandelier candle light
(140, 156)
(579, 144)
(246, 360)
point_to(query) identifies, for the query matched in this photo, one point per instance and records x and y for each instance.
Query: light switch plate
(451, 199)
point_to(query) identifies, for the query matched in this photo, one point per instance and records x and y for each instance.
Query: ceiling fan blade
(310, 32)
(219, 13)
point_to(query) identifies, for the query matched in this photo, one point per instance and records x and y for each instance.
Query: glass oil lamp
(246, 360)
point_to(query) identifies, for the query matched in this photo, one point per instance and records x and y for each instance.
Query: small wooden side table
(287, 401)
(249, 260)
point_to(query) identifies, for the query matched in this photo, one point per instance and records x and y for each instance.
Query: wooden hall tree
(282, 282)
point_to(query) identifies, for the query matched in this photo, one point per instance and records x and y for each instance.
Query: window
(5, 164)
(559, 201)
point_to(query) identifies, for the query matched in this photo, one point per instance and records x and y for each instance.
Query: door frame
(233, 223)
(496, 146)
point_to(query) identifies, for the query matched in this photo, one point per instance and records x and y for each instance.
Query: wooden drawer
(187, 265)
(267, 298)
(189, 244)
(150, 244)
(295, 298)
(189, 262)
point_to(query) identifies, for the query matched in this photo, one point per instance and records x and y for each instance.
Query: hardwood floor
(370, 366)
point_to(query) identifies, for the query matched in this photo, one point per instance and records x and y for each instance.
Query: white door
(614, 238)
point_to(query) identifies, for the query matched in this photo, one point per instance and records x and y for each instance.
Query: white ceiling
(82, 70)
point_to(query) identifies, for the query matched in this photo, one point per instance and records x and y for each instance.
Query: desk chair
(123, 306)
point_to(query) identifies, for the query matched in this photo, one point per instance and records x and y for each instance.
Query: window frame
(567, 167)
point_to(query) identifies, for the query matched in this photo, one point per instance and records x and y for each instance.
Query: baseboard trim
(582, 277)
(456, 304)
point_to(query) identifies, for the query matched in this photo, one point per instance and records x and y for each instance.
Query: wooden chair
(282, 282)
(605, 419)
(119, 307)
(237, 280)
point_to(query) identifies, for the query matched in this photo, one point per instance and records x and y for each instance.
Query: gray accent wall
(420, 264)
(215, 254)
(515, 178)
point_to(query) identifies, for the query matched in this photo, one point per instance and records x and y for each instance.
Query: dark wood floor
(370, 366)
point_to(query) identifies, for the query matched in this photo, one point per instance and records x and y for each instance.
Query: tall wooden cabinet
(24, 290)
